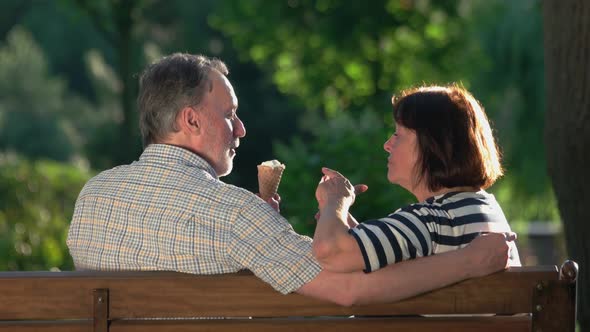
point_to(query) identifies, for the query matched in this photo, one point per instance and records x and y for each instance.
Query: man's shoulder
(235, 195)
(101, 179)
(189, 185)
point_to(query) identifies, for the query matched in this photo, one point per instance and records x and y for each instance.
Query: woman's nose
(387, 145)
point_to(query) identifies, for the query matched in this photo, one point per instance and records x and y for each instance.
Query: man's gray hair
(167, 86)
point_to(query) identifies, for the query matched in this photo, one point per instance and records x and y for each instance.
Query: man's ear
(188, 120)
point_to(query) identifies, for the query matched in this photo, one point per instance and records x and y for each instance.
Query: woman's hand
(334, 186)
(333, 247)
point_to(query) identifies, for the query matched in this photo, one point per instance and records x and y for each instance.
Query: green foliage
(29, 100)
(338, 61)
(42, 117)
(341, 55)
(510, 86)
(350, 57)
(36, 206)
(37, 115)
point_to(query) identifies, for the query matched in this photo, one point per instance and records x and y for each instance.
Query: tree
(116, 21)
(567, 128)
(338, 57)
(11, 13)
(347, 55)
(508, 81)
(36, 203)
(39, 117)
(342, 60)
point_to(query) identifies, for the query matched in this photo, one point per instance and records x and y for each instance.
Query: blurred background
(314, 80)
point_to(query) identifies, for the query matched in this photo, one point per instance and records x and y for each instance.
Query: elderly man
(170, 211)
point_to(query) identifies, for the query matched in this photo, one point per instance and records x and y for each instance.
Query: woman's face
(403, 156)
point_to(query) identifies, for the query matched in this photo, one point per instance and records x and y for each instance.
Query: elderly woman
(444, 153)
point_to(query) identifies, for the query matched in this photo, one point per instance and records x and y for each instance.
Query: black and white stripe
(439, 224)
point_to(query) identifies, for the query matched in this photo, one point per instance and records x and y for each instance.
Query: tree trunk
(127, 131)
(567, 129)
(119, 35)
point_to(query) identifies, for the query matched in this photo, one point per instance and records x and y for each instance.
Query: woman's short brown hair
(455, 142)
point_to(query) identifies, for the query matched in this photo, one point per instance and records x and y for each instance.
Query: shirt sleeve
(266, 244)
(399, 236)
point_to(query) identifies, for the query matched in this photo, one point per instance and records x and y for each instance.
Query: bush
(36, 205)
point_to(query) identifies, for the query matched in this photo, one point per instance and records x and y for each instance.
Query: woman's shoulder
(444, 204)
(462, 198)
(418, 209)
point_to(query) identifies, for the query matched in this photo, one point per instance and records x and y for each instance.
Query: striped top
(439, 224)
(169, 211)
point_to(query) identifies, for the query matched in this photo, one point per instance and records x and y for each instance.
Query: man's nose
(239, 128)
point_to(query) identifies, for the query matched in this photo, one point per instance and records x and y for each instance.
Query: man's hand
(274, 202)
(489, 253)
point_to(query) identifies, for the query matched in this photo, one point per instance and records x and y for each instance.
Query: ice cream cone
(269, 177)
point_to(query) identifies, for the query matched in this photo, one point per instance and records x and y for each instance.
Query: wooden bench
(524, 299)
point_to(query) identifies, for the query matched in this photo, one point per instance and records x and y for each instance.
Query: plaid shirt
(169, 211)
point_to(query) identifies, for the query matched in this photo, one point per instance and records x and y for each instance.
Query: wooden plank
(46, 326)
(554, 307)
(45, 298)
(100, 302)
(168, 294)
(414, 324)
(502, 293)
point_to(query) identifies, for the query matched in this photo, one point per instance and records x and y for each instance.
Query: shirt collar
(171, 153)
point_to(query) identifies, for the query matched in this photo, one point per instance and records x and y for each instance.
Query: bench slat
(415, 324)
(46, 326)
(169, 294)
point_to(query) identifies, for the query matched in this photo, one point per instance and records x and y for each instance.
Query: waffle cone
(268, 180)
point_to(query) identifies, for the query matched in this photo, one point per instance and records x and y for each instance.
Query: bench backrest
(159, 301)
